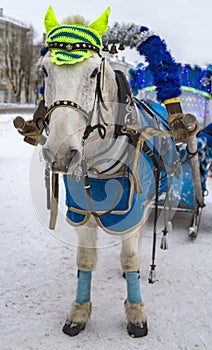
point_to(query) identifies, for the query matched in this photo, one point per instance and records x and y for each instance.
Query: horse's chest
(116, 198)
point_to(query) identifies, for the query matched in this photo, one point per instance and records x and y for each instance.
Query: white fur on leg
(135, 313)
(80, 313)
(86, 259)
(86, 252)
(130, 259)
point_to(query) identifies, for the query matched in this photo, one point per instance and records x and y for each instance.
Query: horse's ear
(101, 24)
(50, 20)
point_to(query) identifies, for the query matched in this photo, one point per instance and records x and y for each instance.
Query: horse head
(73, 74)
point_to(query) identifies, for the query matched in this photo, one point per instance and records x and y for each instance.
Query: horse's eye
(94, 73)
(44, 71)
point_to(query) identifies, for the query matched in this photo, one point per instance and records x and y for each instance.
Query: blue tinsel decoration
(43, 51)
(41, 90)
(143, 29)
(164, 68)
(209, 71)
(207, 132)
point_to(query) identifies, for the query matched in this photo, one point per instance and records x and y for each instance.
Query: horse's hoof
(137, 330)
(73, 328)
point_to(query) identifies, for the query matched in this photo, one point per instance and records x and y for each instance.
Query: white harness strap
(110, 162)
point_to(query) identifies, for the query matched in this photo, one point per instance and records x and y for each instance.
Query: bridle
(98, 101)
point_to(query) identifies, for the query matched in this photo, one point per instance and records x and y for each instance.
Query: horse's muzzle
(61, 162)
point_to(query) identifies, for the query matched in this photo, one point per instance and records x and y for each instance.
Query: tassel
(152, 275)
(164, 243)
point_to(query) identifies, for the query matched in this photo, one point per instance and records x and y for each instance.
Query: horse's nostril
(62, 159)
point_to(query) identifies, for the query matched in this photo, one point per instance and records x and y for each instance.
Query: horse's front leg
(134, 307)
(86, 263)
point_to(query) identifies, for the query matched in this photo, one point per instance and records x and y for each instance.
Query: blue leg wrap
(83, 286)
(133, 287)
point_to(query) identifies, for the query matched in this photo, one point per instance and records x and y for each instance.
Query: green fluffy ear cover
(50, 20)
(101, 24)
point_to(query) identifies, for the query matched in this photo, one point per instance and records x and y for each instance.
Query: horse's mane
(75, 19)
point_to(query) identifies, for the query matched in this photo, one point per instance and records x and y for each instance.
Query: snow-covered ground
(38, 276)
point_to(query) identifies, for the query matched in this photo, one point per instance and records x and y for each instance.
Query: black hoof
(137, 330)
(73, 328)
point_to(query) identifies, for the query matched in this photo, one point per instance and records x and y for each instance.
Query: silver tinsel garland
(129, 35)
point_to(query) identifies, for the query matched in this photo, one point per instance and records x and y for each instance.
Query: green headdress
(71, 34)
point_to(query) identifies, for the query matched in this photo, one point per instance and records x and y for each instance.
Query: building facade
(12, 34)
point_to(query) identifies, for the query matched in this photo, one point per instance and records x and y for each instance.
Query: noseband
(63, 103)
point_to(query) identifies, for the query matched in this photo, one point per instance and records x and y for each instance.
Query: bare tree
(27, 61)
(18, 60)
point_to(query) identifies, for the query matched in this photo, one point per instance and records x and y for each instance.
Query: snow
(38, 274)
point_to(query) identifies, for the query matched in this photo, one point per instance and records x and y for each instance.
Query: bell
(121, 47)
(105, 48)
(113, 49)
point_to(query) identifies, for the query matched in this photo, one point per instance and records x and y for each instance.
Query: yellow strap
(172, 100)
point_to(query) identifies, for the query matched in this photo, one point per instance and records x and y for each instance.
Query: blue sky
(184, 24)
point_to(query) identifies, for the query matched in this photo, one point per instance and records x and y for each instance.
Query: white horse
(79, 136)
(63, 150)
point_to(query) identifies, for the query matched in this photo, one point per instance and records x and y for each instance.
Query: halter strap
(73, 47)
